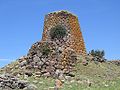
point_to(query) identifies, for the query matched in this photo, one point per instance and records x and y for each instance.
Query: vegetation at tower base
(45, 50)
(98, 55)
(59, 61)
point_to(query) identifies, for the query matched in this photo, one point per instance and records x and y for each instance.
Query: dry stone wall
(70, 22)
(53, 57)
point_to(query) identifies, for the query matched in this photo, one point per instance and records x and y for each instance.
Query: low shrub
(57, 32)
(98, 55)
(45, 49)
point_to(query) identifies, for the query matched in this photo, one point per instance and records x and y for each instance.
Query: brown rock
(46, 74)
(58, 84)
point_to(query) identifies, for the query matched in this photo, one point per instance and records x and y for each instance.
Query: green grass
(42, 83)
(103, 76)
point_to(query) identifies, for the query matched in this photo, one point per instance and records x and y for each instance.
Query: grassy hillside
(100, 76)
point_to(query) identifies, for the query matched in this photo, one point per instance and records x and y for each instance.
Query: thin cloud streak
(4, 59)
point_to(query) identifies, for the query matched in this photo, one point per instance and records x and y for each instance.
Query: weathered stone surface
(31, 87)
(10, 82)
(58, 84)
(61, 58)
(70, 22)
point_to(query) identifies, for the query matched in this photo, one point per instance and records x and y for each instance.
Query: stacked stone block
(70, 22)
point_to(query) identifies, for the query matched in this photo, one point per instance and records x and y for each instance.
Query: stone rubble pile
(9, 82)
(116, 62)
(48, 59)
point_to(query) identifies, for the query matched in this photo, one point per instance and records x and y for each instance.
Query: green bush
(45, 50)
(98, 55)
(57, 32)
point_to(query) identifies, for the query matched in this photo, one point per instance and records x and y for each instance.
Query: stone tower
(56, 55)
(70, 22)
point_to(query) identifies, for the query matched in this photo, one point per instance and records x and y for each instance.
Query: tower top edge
(61, 12)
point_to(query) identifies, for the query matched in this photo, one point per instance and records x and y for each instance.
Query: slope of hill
(101, 76)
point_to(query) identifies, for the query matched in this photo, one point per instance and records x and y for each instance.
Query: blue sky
(21, 24)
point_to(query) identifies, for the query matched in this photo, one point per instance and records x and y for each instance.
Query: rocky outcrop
(9, 82)
(116, 62)
(49, 59)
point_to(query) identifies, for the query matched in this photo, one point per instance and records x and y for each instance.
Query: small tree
(45, 50)
(98, 55)
(57, 32)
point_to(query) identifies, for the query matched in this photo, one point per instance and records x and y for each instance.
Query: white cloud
(4, 59)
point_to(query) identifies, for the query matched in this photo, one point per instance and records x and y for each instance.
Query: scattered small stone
(35, 81)
(58, 84)
(51, 88)
(11, 82)
(71, 74)
(40, 82)
(46, 74)
(106, 85)
(85, 63)
(31, 87)
(68, 78)
(28, 73)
